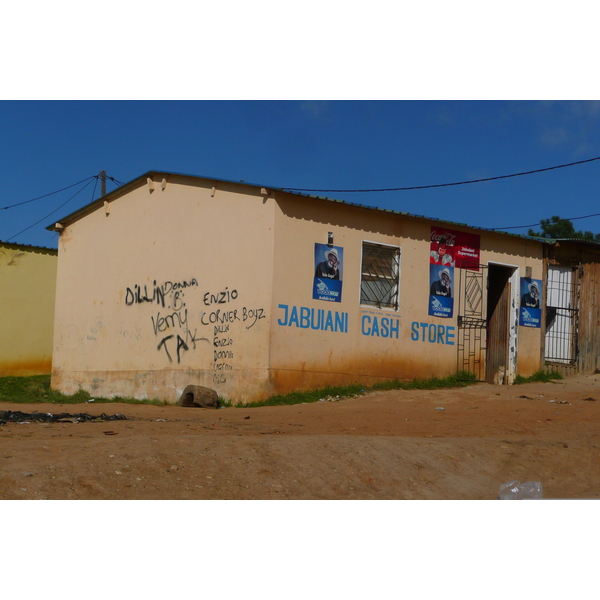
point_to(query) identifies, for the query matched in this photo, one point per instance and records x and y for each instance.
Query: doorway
(501, 312)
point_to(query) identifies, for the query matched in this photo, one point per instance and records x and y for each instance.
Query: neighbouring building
(173, 280)
(27, 291)
(572, 318)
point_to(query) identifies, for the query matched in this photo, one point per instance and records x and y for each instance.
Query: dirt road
(385, 445)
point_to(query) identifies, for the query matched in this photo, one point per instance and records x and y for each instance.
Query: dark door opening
(498, 319)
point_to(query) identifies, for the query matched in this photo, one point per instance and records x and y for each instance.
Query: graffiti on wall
(168, 292)
(220, 322)
(178, 326)
(170, 323)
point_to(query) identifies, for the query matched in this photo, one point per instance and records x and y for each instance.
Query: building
(27, 291)
(572, 316)
(173, 280)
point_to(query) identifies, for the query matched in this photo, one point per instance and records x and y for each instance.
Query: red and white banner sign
(452, 248)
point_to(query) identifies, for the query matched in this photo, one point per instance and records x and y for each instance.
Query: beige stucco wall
(27, 291)
(206, 256)
(191, 285)
(305, 357)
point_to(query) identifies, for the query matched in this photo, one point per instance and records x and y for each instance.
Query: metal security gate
(472, 321)
(562, 314)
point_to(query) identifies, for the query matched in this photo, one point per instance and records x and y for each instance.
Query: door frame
(513, 318)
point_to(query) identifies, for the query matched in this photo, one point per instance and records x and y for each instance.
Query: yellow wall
(27, 291)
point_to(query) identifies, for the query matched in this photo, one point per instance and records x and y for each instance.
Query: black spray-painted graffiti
(221, 321)
(180, 337)
(185, 336)
(166, 292)
(222, 339)
(172, 326)
(220, 297)
(229, 316)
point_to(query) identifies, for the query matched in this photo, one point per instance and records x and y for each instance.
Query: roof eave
(92, 206)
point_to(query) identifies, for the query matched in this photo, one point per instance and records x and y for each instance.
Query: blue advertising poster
(530, 313)
(441, 302)
(328, 273)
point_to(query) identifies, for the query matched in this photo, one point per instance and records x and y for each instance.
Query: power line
(119, 183)
(88, 179)
(46, 195)
(95, 186)
(424, 187)
(51, 213)
(539, 222)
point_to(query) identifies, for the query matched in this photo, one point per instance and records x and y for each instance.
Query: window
(380, 276)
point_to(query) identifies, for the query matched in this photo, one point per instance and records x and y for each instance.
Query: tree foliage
(558, 228)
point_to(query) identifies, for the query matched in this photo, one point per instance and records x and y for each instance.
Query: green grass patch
(461, 379)
(539, 376)
(36, 389)
(308, 396)
(26, 390)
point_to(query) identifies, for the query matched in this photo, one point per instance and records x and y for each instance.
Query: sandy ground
(385, 445)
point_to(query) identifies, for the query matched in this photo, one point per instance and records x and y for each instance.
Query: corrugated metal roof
(96, 203)
(2, 243)
(406, 214)
(575, 240)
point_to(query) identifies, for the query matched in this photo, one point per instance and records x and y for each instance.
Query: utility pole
(102, 183)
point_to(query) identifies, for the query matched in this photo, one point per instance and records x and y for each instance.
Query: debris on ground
(200, 396)
(515, 490)
(589, 399)
(16, 416)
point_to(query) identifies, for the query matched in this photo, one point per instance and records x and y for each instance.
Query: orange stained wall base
(25, 368)
(284, 380)
(527, 365)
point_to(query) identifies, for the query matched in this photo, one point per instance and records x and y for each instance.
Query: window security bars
(562, 312)
(380, 276)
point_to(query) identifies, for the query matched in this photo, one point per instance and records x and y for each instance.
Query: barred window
(562, 313)
(380, 274)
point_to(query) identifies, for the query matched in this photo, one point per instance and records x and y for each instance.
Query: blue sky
(49, 145)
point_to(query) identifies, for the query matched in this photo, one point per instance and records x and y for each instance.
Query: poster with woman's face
(328, 273)
(530, 312)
